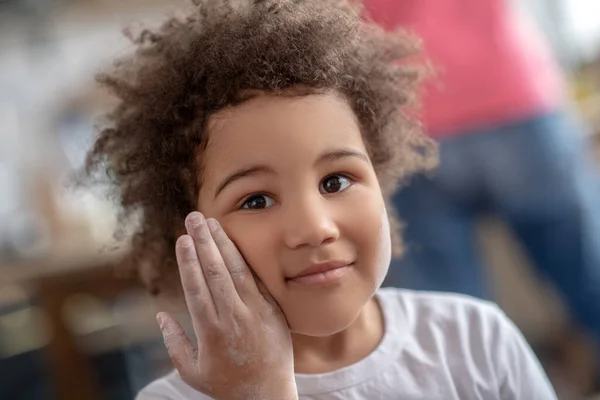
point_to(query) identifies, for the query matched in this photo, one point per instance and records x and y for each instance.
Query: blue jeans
(533, 174)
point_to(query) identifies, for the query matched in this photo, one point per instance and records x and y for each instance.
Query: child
(282, 122)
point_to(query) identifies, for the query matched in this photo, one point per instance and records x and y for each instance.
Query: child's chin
(322, 325)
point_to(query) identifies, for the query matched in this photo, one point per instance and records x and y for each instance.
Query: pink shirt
(492, 65)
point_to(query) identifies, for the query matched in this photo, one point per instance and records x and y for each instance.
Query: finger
(196, 292)
(265, 293)
(182, 352)
(215, 272)
(236, 265)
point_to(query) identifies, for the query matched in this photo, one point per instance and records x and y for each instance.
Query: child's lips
(322, 273)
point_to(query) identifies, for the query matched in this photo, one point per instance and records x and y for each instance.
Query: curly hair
(220, 54)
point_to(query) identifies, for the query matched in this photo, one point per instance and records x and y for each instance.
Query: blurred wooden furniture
(53, 282)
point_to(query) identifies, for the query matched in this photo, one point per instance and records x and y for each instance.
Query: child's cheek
(254, 240)
(384, 256)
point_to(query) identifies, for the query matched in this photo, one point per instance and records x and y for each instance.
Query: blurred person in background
(508, 146)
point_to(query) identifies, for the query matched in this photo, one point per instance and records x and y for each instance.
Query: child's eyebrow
(256, 170)
(334, 155)
(327, 156)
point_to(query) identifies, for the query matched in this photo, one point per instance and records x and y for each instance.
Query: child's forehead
(268, 122)
(298, 100)
(280, 130)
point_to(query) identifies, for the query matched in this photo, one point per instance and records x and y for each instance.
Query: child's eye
(258, 202)
(334, 184)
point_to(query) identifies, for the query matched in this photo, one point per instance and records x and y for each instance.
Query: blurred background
(68, 328)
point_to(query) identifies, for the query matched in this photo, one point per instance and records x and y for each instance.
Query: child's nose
(310, 224)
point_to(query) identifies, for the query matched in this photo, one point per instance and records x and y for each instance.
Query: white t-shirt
(435, 346)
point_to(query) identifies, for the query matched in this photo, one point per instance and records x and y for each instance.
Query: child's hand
(244, 344)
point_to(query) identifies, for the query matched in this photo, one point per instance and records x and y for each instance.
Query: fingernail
(185, 242)
(213, 224)
(160, 318)
(195, 219)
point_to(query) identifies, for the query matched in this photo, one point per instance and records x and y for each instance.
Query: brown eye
(334, 184)
(258, 202)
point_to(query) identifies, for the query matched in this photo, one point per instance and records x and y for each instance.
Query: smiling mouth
(321, 276)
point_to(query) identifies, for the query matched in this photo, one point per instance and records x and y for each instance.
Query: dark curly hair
(219, 55)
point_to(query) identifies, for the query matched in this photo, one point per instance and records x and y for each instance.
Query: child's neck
(314, 355)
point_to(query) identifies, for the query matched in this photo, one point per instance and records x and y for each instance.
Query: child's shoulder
(437, 304)
(468, 343)
(458, 316)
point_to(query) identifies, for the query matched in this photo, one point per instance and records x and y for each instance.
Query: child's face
(289, 180)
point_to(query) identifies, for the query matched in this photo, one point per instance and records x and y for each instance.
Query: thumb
(182, 352)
